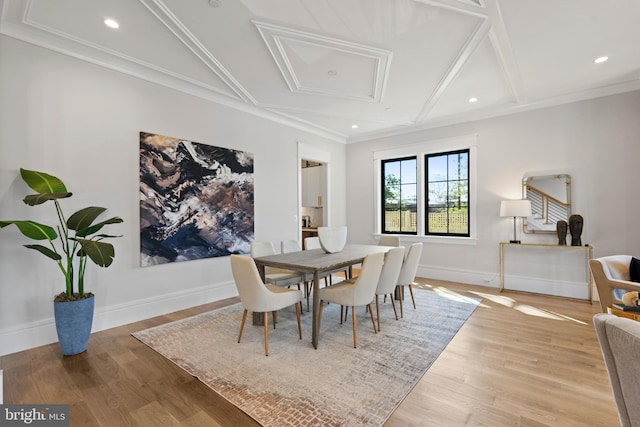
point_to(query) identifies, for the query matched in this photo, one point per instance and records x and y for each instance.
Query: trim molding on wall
(27, 336)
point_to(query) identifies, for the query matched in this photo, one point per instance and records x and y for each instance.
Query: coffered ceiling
(327, 66)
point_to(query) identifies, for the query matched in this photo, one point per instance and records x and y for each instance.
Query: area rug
(297, 385)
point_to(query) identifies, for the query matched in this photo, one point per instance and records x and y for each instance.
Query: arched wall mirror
(550, 197)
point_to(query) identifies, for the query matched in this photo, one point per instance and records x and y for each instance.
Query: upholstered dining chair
(613, 278)
(312, 243)
(275, 276)
(388, 281)
(287, 246)
(619, 340)
(408, 272)
(261, 298)
(357, 292)
(386, 240)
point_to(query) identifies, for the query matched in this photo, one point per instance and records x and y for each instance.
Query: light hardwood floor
(520, 360)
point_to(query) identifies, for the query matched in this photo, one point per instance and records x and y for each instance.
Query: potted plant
(71, 244)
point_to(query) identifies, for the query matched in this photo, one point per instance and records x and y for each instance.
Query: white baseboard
(43, 332)
(470, 277)
(569, 289)
(563, 288)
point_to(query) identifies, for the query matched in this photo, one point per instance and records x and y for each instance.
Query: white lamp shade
(519, 208)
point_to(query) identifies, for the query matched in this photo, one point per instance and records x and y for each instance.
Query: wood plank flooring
(520, 360)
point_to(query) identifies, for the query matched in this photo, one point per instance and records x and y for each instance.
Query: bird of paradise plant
(73, 241)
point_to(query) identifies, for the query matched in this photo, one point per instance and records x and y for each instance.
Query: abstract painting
(196, 200)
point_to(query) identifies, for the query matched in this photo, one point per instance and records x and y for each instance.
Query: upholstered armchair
(619, 340)
(610, 273)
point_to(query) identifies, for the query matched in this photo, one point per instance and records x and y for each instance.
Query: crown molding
(603, 91)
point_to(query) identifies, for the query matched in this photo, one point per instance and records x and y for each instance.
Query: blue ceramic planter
(73, 324)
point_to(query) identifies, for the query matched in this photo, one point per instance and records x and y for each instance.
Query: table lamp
(515, 208)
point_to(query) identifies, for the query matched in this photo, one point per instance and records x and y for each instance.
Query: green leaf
(33, 230)
(45, 251)
(84, 217)
(96, 227)
(42, 182)
(100, 253)
(38, 199)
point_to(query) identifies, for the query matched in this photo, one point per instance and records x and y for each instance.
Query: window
(427, 191)
(447, 193)
(399, 195)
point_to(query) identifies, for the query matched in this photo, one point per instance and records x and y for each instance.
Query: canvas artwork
(196, 200)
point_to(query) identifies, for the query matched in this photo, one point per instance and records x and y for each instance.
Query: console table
(548, 269)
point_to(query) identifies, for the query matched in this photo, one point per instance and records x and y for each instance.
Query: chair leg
(274, 319)
(393, 303)
(305, 292)
(412, 299)
(378, 310)
(353, 320)
(244, 317)
(400, 299)
(372, 321)
(266, 333)
(298, 310)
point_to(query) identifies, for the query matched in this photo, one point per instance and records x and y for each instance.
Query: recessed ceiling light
(474, 99)
(601, 59)
(111, 23)
(354, 126)
(332, 72)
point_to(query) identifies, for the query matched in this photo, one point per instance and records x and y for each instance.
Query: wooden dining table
(317, 262)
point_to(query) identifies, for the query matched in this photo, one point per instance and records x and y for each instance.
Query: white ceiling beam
(173, 24)
(475, 39)
(502, 46)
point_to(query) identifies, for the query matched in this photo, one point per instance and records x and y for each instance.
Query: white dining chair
(387, 284)
(288, 246)
(261, 298)
(386, 240)
(408, 272)
(275, 276)
(272, 275)
(312, 243)
(357, 292)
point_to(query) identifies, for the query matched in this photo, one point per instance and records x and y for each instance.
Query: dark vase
(73, 324)
(561, 229)
(575, 228)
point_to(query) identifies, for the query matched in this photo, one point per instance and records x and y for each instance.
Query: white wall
(80, 122)
(597, 142)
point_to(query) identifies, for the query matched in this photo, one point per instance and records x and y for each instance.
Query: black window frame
(427, 156)
(383, 188)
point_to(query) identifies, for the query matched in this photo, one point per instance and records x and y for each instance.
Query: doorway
(313, 190)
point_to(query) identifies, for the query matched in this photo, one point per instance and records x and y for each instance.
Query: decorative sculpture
(575, 227)
(561, 229)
